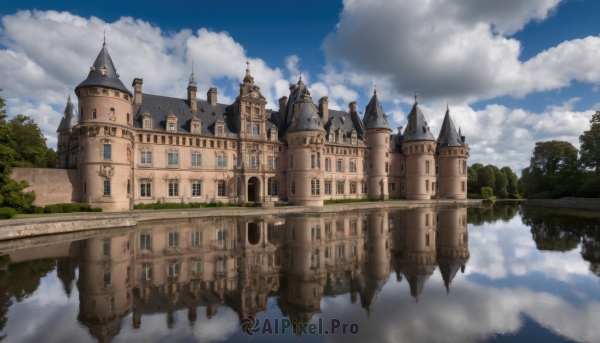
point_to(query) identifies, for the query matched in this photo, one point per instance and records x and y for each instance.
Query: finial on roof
(374, 88)
(416, 96)
(300, 74)
(104, 44)
(447, 105)
(247, 67)
(192, 77)
(459, 133)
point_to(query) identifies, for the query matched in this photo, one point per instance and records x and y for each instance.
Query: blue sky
(514, 72)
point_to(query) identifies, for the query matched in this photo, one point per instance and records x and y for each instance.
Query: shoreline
(33, 227)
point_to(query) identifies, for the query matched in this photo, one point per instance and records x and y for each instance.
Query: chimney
(283, 103)
(192, 98)
(400, 130)
(137, 91)
(324, 109)
(211, 96)
(352, 106)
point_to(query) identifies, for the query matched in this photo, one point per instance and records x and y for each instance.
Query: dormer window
(220, 129)
(147, 124)
(273, 135)
(171, 126)
(331, 136)
(196, 128)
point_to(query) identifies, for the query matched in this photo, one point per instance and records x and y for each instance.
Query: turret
(419, 255)
(377, 258)
(192, 93)
(419, 148)
(378, 135)
(68, 121)
(451, 161)
(306, 138)
(106, 138)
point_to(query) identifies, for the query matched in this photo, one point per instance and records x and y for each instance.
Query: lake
(503, 273)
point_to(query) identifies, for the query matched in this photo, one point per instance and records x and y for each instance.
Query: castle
(132, 148)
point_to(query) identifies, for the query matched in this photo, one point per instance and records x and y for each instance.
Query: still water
(506, 273)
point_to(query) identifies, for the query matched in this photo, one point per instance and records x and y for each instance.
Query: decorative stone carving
(106, 172)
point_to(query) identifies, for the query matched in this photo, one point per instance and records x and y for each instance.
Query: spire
(192, 77)
(248, 77)
(69, 118)
(448, 135)
(417, 128)
(416, 96)
(103, 73)
(374, 117)
(104, 44)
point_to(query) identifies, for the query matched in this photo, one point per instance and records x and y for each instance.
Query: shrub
(487, 192)
(7, 212)
(474, 196)
(52, 209)
(514, 196)
(95, 209)
(37, 210)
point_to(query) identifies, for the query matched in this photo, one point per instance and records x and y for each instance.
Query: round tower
(106, 137)
(65, 128)
(378, 136)
(419, 148)
(451, 161)
(306, 138)
(419, 255)
(452, 243)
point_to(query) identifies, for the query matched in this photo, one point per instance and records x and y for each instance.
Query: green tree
(486, 177)
(28, 141)
(472, 183)
(500, 185)
(554, 171)
(590, 145)
(513, 181)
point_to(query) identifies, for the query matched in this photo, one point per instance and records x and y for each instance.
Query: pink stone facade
(131, 148)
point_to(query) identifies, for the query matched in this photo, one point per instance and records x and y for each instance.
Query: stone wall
(51, 186)
(578, 203)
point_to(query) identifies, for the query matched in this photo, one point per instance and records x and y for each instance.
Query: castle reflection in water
(167, 266)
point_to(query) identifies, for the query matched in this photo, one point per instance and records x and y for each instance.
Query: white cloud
(453, 49)
(49, 53)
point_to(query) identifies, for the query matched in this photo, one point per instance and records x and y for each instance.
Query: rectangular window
(255, 129)
(196, 159)
(174, 269)
(146, 188)
(340, 187)
(327, 187)
(196, 267)
(364, 188)
(316, 233)
(247, 109)
(145, 242)
(293, 188)
(437, 169)
(365, 227)
(221, 266)
(391, 186)
(253, 161)
(327, 164)
(146, 157)
(107, 277)
(106, 248)
(146, 273)
(462, 188)
(437, 186)
(274, 188)
(339, 226)
(340, 251)
(173, 188)
(353, 166)
(173, 158)
(340, 165)
(427, 185)
(353, 230)
(291, 161)
(427, 167)
(221, 188)
(313, 161)
(364, 166)
(402, 167)
(195, 128)
(107, 151)
(387, 167)
(219, 129)
(106, 187)
(111, 113)
(221, 161)
(197, 238)
(352, 187)
(353, 250)
(173, 239)
(315, 187)
(464, 167)
(196, 188)
(94, 114)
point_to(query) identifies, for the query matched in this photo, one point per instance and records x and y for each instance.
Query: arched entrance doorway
(253, 189)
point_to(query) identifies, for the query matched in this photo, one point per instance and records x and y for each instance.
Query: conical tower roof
(104, 73)
(69, 118)
(448, 135)
(374, 117)
(417, 128)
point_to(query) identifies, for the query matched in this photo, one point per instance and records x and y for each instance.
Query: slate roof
(448, 135)
(69, 118)
(95, 77)
(308, 120)
(350, 121)
(374, 117)
(297, 92)
(417, 128)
